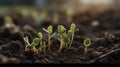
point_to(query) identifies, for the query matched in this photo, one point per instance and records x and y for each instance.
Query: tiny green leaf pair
(49, 30)
(87, 43)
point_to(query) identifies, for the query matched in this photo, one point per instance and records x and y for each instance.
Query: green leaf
(40, 35)
(61, 29)
(35, 42)
(43, 45)
(72, 27)
(50, 29)
(66, 40)
(87, 42)
(69, 33)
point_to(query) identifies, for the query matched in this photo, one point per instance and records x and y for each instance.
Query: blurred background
(90, 15)
(77, 5)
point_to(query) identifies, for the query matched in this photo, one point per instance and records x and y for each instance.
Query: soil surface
(103, 28)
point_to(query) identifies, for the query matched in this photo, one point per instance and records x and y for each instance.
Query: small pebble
(95, 23)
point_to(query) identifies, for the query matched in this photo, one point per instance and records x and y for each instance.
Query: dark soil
(105, 37)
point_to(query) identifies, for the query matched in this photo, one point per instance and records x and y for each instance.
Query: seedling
(8, 22)
(87, 43)
(71, 33)
(40, 37)
(66, 41)
(27, 43)
(34, 43)
(49, 30)
(9, 25)
(62, 31)
(42, 46)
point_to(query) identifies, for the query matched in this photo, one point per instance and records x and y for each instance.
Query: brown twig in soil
(104, 55)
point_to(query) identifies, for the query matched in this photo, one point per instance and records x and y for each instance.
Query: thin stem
(86, 49)
(40, 45)
(35, 50)
(61, 46)
(26, 48)
(49, 42)
(71, 40)
(66, 45)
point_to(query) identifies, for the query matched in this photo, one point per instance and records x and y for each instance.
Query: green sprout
(42, 46)
(27, 43)
(87, 43)
(34, 43)
(40, 37)
(66, 41)
(71, 33)
(8, 22)
(49, 30)
(9, 25)
(62, 31)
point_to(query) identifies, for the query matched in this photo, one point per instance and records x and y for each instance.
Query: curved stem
(71, 40)
(85, 50)
(61, 46)
(26, 48)
(49, 42)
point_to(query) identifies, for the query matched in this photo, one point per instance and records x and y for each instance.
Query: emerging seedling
(66, 41)
(40, 37)
(35, 43)
(42, 46)
(49, 30)
(9, 25)
(62, 31)
(27, 43)
(71, 33)
(87, 43)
